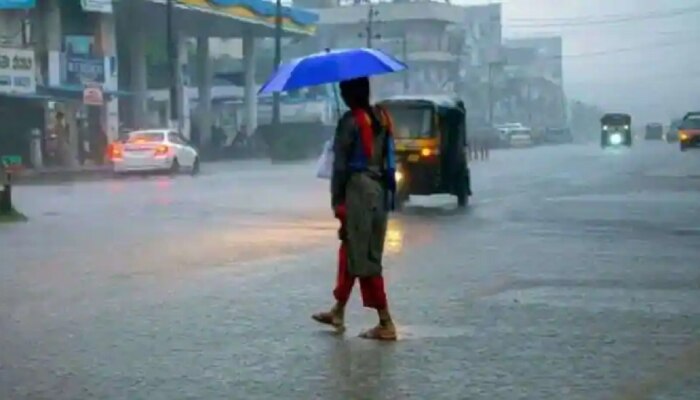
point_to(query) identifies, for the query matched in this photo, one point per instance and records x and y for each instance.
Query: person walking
(362, 193)
(63, 142)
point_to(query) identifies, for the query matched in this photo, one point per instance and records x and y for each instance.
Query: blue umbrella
(331, 66)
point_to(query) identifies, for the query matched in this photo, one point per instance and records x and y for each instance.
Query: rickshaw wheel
(462, 199)
(461, 192)
(401, 199)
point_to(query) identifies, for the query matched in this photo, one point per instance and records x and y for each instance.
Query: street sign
(92, 95)
(17, 71)
(100, 6)
(11, 163)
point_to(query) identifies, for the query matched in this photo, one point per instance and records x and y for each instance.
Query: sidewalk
(62, 174)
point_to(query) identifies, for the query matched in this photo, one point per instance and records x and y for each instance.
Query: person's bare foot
(383, 331)
(334, 318)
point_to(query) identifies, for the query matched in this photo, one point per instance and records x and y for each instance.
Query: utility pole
(369, 31)
(278, 60)
(173, 63)
(491, 66)
(529, 102)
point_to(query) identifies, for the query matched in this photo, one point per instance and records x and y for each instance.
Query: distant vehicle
(616, 130)
(689, 131)
(654, 131)
(431, 142)
(558, 135)
(154, 150)
(671, 134)
(515, 134)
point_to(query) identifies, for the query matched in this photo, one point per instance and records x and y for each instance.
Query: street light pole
(491, 65)
(173, 64)
(278, 60)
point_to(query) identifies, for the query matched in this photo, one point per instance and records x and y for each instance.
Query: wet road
(575, 274)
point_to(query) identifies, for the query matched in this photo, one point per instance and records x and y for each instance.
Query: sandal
(330, 318)
(380, 332)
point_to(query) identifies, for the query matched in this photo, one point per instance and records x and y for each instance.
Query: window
(175, 138)
(141, 136)
(692, 122)
(411, 122)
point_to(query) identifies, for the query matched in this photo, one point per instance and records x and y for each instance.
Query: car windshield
(146, 137)
(691, 123)
(411, 122)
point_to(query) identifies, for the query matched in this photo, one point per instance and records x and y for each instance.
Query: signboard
(93, 96)
(17, 4)
(100, 6)
(17, 71)
(79, 45)
(11, 163)
(81, 69)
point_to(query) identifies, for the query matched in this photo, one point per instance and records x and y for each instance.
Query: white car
(515, 134)
(155, 150)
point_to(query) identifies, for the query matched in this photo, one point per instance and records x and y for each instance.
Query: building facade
(532, 89)
(69, 46)
(418, 33)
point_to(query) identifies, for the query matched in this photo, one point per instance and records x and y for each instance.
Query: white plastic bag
(324, 167)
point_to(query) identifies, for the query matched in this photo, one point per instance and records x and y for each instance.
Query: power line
(616, 51)
(609, 16)
(688, 75)
(649, 32)
(612, 21)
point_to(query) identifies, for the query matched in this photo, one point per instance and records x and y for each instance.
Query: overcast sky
(655, 76)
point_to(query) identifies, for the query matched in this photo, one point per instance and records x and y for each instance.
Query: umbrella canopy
(331, 66)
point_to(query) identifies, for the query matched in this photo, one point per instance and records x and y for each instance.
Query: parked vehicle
(154, 150)
(514, 135)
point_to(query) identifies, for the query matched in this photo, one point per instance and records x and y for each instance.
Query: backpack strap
(364, 123)
(386, 120)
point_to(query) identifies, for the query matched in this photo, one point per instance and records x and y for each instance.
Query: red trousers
(372, 288)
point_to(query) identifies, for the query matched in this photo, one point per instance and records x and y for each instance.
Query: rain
(171, 172)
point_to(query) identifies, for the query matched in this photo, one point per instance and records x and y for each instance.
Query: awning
(74, 92)
(25, 96)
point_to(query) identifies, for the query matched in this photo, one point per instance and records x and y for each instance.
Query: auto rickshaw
(431, 136)
(616, 130)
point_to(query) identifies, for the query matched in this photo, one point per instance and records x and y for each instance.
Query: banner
(84, 69)
(17, 4)
(93, 95)
(100, 6)
(17, 71)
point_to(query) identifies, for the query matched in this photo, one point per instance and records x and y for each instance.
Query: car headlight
(627, 127)
(615, 139)
(605, 127)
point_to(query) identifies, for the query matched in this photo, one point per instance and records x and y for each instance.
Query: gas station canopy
(214, 18)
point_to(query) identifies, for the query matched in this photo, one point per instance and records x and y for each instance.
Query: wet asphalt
(574, 274)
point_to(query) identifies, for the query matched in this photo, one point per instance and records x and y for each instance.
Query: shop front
(21, 109)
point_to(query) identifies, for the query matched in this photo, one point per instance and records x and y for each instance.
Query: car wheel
(175, 167)
(195, 166)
